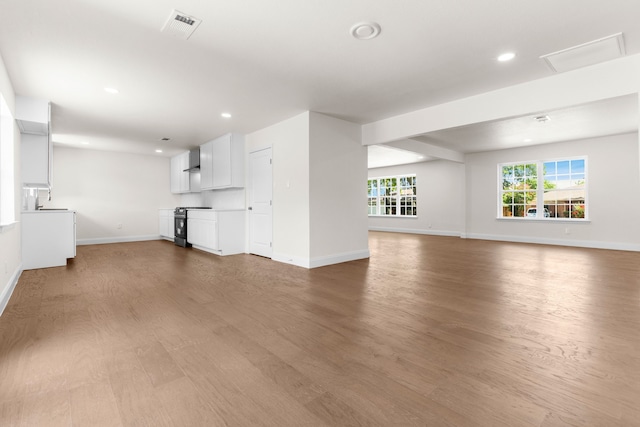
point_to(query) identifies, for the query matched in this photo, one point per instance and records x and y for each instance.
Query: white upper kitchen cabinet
(179, 178)
(222, 162)
(33, 118)
(36, 160)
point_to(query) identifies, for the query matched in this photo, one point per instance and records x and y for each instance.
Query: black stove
(180, 225)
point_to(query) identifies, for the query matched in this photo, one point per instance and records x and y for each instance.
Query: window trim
(397, 197)
(540, 190)
(7, 161)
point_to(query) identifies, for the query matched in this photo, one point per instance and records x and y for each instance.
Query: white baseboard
(119, 239)
(618, 246)
(417, 231)
(320, 261)
(8, 289)
(290, 259)
(338, 258)
(520, 239)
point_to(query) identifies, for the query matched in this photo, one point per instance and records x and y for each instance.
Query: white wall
(233, 198)
(289, 140)
(613, 189)
(338, 189)
(10, 247)
(440, 198)
(111, 188)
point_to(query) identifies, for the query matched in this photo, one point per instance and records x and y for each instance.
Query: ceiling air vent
(180, 25)
(593, 52)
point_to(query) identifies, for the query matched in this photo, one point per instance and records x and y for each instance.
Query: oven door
(180, 231)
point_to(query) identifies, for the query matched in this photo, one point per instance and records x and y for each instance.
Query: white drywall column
(338, 189)
(289, 141)
(602, 81)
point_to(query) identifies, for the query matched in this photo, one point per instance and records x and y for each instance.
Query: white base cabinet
(166, 224)
(217, 231)
(48, 238)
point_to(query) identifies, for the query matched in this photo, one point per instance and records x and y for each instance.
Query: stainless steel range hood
(194, 161)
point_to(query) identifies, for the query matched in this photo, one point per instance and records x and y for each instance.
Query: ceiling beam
(594, 83)
(429, 150)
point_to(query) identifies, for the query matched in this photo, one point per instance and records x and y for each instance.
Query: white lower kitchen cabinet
(48, 238)
(220, 232)
(165, 224)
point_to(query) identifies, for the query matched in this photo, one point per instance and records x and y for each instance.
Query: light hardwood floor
(431, 331)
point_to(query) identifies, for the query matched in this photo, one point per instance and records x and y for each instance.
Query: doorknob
(250, 208)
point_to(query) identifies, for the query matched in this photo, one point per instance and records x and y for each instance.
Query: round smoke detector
(365, 30)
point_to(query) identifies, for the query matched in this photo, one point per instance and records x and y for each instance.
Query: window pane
(563, 211)
(518, 210)
(507, 184)
(577, 166)
(563, 167)
(549, 168)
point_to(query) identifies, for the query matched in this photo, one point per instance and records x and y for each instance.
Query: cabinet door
(175, 176)
(222, 162)
(184, 176)
(35, 160)
(48, 239)
(203, 233)
(212, 235)
(194, 231)
(206, 166)
(179, 178)
(165, 225)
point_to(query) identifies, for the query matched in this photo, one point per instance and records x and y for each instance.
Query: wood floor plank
(158, 364)
(429, 331)
(11, 413)
(50, 409)
(94, 404)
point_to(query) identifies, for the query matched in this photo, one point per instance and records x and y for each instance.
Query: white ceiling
(381, 156)
(266, 60)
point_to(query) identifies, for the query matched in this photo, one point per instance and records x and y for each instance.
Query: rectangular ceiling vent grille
(180, 25)
(593, 52)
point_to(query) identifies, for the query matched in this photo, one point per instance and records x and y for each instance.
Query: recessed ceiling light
(365, 30)
(226, 115)
(85, 143)
(420, 157)
(506, 57)
(111, 90)
(158, 151)
(527, 140)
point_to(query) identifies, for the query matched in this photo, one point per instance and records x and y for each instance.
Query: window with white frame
(7, 187)
(544, 189)
(393, 196)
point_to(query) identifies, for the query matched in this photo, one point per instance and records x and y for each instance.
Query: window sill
(550, 220)
(394, 216)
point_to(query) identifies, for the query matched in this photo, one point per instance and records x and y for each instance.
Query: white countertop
(216, 210)
(41, 211)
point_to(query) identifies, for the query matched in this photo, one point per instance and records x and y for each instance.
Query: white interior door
(260, 197)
